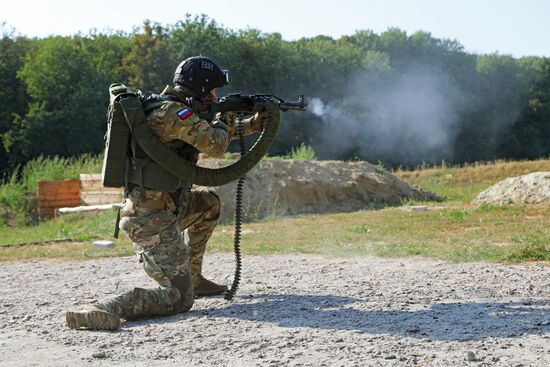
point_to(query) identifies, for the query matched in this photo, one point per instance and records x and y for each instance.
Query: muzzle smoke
(407, 120)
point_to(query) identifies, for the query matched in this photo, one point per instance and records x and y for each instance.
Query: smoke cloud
(402, 121)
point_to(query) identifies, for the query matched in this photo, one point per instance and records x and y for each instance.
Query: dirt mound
(276, 187)
(533, 188)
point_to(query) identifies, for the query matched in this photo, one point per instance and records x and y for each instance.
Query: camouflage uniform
(169, 231)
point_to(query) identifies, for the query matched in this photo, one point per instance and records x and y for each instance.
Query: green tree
(13, 96)
(67, 83)
(150, 62)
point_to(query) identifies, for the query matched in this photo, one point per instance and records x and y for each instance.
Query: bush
(57, 168)
(18, 192)
(303, 153)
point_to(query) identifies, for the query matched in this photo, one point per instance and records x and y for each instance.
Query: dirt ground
(291, 310)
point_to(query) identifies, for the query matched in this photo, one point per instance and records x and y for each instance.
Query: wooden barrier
(92, 191)
(53, 195)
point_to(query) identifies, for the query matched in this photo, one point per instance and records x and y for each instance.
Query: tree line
(393, 97)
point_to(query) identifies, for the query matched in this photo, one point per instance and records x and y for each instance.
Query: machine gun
(242, 103)
(239, 102)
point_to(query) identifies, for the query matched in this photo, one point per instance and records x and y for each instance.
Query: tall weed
(17, 193)
(303, 153)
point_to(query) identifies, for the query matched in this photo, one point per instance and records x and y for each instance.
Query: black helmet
(200, 75)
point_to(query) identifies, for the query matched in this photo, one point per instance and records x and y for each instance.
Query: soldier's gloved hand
(219, 124)
(259, 121)
(228, 118)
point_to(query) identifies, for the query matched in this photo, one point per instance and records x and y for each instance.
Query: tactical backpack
(125, 162)
(117, 140)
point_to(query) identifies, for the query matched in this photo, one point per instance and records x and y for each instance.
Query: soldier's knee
(215, 204)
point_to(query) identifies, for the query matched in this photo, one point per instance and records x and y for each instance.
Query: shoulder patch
(184, 113)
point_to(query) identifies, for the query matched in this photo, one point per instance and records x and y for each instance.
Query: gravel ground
(292, 310)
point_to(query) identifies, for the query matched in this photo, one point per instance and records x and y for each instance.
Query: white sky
(517, 27)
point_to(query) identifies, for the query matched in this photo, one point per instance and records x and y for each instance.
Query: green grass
(495, 234)
(76, 227)
(452, 230)
(302, 153)
(17, 193)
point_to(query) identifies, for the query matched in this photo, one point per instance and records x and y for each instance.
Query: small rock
(413, 329)
(103, 244)
(391, 356)
(99, 355)
(470, 356)
(419, 208)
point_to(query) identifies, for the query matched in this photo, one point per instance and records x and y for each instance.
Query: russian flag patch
(184, 113)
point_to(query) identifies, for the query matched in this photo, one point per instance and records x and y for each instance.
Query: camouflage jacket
(176, 124)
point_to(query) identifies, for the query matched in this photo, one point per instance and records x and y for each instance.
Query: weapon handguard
(186, 171)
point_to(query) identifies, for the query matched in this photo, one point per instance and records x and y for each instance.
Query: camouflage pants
(170, 243)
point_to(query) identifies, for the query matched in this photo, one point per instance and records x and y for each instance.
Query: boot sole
(92, 320)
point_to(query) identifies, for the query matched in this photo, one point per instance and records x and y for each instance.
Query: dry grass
(452, 230)
(464, 183)
(489, 173)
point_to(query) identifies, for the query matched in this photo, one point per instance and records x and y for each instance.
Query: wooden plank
(44, 213)
(46, 190)
(52, 202)
(91, 180)
(62, 184)
(61, 199)
(58, 187)
(58, 204)
(114, 196)
(53, 199)
(61, 187)
(102, 192)
(94, 201)
(89, 190)
(94, 193)
(52, 195)
(91, 183)
(87, 208)
(90, 177)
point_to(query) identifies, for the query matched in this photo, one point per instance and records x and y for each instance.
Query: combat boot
(204, 287)
(92, 318)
